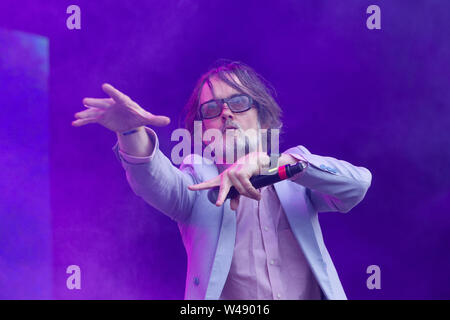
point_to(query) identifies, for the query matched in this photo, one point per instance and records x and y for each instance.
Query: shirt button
(265, 228)
(272, 261)
(278, 295)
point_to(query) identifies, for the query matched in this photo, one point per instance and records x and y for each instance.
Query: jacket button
(196, 281)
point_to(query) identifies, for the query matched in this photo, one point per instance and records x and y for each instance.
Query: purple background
(375, 98)
(25, 215)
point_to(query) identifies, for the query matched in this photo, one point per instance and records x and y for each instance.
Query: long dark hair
(261, 91)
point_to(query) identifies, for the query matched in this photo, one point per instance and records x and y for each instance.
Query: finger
(223, 192)
(234, 203)
(98, 103)
(206, 185)
(159, 121)
(237, 184)
(249, 188)
(114, 93)
(89, 113)
(82, 122)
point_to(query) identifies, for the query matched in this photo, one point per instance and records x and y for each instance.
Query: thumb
(234, 203)
(159, 121)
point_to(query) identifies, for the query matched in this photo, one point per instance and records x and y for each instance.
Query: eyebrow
(218, 99)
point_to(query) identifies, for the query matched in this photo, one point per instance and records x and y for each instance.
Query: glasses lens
(210, 110)
(239, 103)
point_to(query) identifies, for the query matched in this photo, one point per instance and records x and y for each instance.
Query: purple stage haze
(25, 215)
(375, 98)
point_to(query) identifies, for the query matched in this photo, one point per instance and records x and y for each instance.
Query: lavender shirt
(268, 262)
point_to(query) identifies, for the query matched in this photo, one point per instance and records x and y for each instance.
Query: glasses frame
(225, 100)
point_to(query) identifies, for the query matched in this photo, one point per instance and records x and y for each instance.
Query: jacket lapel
(224, 253)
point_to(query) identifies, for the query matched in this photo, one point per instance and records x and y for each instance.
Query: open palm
(118, 113)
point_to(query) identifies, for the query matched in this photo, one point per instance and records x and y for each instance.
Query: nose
(226, 112)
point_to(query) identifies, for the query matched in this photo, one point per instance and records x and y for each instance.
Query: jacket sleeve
(332, 185)
(158, 182)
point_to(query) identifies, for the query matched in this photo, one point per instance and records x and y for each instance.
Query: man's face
(238, 123)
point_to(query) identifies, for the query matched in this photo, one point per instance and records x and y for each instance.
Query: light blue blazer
(209, 232)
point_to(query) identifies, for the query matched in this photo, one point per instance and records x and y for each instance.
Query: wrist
(130, 131)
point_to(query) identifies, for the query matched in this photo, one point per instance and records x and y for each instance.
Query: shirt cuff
(138, 160)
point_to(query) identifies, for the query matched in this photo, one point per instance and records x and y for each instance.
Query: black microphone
(281, 173)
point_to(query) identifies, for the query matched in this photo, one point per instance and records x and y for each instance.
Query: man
(263, 244)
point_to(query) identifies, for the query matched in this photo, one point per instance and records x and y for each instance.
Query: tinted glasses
(237, 103)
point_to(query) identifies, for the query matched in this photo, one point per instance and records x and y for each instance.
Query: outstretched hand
(118, 113)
